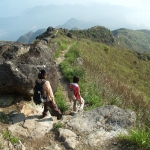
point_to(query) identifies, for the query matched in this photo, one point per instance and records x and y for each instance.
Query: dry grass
(119, 79)
(116, 76)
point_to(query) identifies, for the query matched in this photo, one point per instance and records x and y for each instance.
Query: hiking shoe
(43, 115)
(80, 110)
(59, 117)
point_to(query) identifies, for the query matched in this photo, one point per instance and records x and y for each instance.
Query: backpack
(71, 93)
(38, 92)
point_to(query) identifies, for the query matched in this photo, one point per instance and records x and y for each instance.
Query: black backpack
(38, 92)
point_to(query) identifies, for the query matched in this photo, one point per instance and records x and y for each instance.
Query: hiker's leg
(75, 105)
(55, 110)
(46, 108)
(81, 105)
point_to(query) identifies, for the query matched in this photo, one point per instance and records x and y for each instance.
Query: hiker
(48, 94)
(78, 99)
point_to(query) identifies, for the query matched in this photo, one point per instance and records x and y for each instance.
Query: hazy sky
(141, 14)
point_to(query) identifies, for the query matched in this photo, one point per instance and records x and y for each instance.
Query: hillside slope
(137, 40)
(30, 36)
(79, 24)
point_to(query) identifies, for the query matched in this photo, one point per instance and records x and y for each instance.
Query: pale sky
(140, 16)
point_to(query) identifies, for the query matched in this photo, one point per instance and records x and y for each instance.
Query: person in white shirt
(48, 94)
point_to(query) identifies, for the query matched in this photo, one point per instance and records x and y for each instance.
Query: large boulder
(20, 64)
(103, 123)
(50, 32)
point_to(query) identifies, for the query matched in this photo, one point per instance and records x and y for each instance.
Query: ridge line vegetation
(111, 76)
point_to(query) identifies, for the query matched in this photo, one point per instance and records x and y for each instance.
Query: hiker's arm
(80, 96)
(33, 84)
(50, 92)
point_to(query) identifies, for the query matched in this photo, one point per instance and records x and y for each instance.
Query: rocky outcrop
(68, 138)
(85, 130)
(48, 34)
(20, 64)
(102, 123)
(31, 125)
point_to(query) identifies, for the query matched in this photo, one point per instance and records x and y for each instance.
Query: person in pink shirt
(76, 90)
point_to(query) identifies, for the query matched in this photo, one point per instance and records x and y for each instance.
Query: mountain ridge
(136, 40)
(97, 13)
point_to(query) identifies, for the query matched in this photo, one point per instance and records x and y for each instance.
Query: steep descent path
(62, 80)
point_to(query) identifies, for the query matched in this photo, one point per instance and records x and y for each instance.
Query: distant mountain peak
(75, 23)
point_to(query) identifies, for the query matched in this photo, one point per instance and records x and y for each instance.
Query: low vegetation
(58, 125)
(8, 136)
(112, 76)
(136, 139)
(4, 117)
(60, 100)
(97, 33)
(62, 43)
(137, 40)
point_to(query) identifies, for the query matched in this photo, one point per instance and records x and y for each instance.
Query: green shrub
(57, 125)
(4, 117)
(8, 136)
(61, 46)
(140, 137)
(1, 146)
(114, 101)
(14, 140)
(69, 66)
(60, 100)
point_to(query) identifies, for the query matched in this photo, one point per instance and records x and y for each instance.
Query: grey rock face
(48, 33)
(20, 64)
(103, 123)
(68, 137)
(32, 126)
(106, 117)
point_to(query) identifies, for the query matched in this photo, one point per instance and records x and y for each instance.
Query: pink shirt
(76, 90)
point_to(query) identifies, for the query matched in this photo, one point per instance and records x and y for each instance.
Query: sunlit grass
(8, 136)
(60, 100)
(139, 138)
(57, 125)
(112, 76)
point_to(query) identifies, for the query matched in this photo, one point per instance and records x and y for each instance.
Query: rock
(32, 127)
(102, 123)
(20, 64)
(68, 137)
(6, 100)
(47, 35)
(15, 117)
(7, 145)
(50, 29)
(69, 34)
(99, 137)
(53, 147)
(79, 61)
(19, 146)
(106, 117)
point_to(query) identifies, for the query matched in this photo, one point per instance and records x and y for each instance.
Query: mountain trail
(49, 137)
(63, 82)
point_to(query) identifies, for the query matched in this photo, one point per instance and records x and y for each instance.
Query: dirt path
(62, 80)
(51, 140)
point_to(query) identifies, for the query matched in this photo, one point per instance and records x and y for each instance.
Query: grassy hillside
(30, 36)
(97, 33)
(25, 38)
(110, 75)
(137, 40)
(119, 76)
